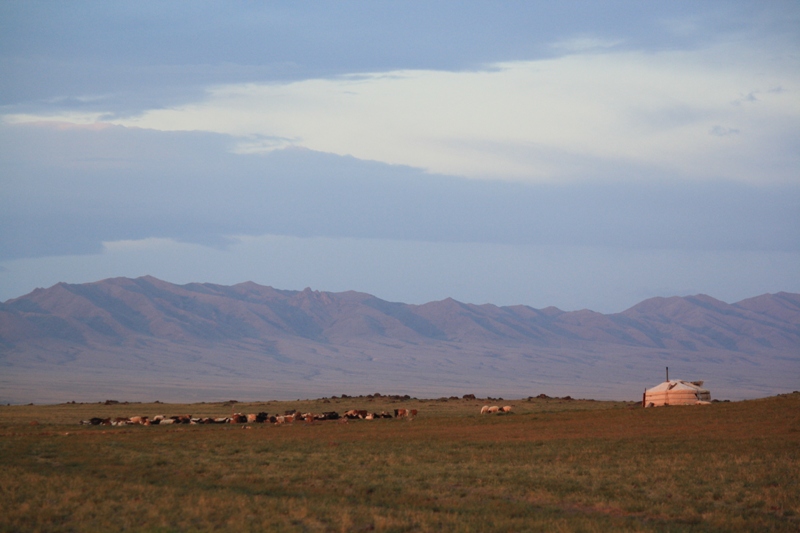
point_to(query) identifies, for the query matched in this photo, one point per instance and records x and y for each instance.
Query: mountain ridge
(152, 331)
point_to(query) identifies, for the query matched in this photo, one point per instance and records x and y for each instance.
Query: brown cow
(296, 417)
(238, 418)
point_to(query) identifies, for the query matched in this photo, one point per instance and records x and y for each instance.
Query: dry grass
(551, 465)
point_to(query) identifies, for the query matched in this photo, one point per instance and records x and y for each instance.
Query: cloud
(721, 131)
(535, 121)
(585, 44)
(259, 144)
(68, 191)
(143, 245)
(96, 56)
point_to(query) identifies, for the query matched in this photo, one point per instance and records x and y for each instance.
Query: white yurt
(677, 392)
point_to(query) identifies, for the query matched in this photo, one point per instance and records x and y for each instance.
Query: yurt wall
(676, 392)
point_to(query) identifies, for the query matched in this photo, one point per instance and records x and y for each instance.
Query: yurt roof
(678, 384)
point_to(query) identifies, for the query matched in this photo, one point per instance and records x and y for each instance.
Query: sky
(574, 154)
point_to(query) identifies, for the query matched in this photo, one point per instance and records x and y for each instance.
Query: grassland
(551, 465)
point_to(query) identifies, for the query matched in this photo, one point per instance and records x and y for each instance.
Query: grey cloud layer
(68, 190)
(126, 58)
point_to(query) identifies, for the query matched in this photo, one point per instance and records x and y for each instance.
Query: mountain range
(145, 339)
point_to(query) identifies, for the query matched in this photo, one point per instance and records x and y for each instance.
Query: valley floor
(551, 464)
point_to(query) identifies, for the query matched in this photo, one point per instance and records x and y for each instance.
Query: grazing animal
(494, 409)
(413, 413)
(251, 417)
(400, 413)
(238, 418)
(506, 409)
(484, 409)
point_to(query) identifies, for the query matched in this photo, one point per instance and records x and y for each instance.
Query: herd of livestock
(239, 418)
(265, 418)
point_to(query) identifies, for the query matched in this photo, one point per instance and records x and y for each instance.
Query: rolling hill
(146, 339)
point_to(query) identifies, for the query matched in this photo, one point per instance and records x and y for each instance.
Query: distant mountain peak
(344, 335)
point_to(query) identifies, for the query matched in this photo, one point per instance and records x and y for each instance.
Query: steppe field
(549, 465)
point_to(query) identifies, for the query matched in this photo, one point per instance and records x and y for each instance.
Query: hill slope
(148, 339)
